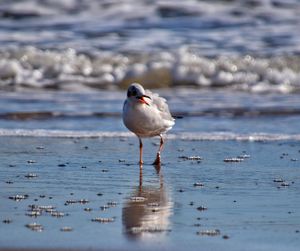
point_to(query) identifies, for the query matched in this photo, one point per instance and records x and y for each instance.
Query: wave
(189, 136)
(233, 112)
(30, 67)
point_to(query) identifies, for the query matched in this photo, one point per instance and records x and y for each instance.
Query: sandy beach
(230, 173)
(88, 193)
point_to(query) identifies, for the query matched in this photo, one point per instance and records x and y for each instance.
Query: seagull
(146, 114)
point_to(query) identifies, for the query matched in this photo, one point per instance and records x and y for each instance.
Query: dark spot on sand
(87, 209)
(234, 201)
(192, 203)
(86, 147)
(225, 237)
(61, 165)
(83, 167)
(11, 165)
(180, 190)
(40, 147)
(7, 221)
(42, 196)
(197, 225)
(104, 170)
(9, 182)
(198, 184)
(201, 208)
(121, 160)
(99, 194)
(31, 161)
(103, 208)
(297, 231)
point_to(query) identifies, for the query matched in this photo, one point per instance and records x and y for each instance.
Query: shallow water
(198, 112)
(158, 210)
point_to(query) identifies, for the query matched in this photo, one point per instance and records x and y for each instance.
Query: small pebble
(190, 157)
(103, 220)
(33, 213)
(18, 197)
(137, 199)
(30, 175)
(243, 156)
(57, 214)
(66, 229)
(209, 232)
(284, 184)
(278, 180)
(35, 227)
(112, 203)
(201, 208)
(233, 160)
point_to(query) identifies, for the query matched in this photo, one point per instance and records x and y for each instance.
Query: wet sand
(88, 193)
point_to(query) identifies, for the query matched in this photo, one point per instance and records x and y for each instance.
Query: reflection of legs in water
(157, 160)
(141, 180)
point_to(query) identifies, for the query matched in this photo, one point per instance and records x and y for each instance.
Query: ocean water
(246, 45)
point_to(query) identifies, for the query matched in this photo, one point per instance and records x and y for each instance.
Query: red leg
(157, 160)
(141, 153)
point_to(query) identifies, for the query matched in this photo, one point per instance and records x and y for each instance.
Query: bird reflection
(146, 213)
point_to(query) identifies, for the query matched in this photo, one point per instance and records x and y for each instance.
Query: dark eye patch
(131, 92)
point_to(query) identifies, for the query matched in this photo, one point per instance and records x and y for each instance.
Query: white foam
(32, 67)
(189, 136)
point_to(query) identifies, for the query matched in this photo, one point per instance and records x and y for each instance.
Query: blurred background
(64, 64)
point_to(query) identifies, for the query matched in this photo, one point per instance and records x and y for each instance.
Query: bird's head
(136, 93)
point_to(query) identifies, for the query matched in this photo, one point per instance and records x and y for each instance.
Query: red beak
(142, 99)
